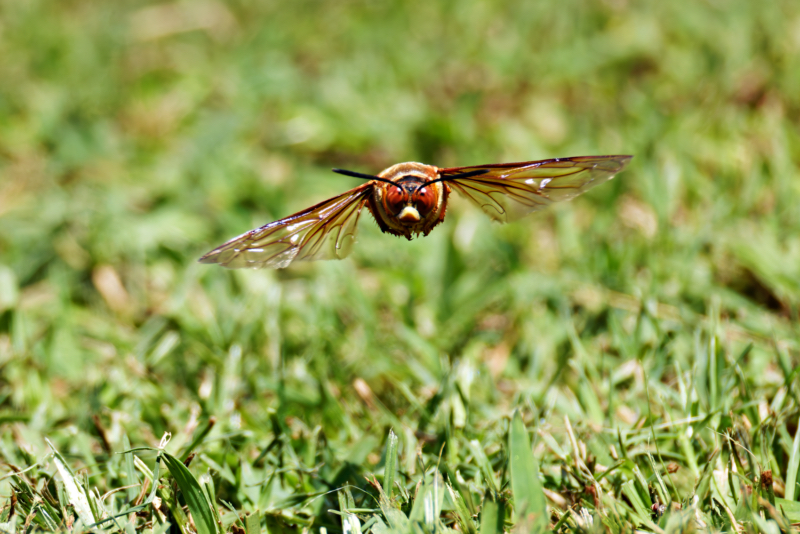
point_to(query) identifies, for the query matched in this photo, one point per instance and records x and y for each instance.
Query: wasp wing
(324, 231)
(508, 191)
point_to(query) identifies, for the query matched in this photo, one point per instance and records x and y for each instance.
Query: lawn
(627, 360)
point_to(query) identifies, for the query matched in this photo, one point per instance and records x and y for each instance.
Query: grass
(625, 361)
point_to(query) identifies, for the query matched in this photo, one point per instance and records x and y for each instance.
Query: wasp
(409, 199)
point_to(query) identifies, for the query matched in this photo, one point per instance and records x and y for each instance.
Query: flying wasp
(409, 199)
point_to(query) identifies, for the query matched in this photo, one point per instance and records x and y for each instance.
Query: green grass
(624, 361)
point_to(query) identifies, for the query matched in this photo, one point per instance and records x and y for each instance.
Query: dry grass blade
(76, 493)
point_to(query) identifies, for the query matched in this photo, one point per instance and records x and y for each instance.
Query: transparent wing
(509, 191)
(324, 231)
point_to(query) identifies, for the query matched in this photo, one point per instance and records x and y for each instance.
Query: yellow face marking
(409, 214)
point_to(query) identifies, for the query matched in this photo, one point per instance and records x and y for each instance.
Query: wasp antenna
(467, 174)
(362, 176)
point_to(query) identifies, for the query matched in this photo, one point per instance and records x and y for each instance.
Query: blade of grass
(462, 513)
(600, 476)
(483, 462)
(428, 502)
(791, 509)
(561, 520)
(252, 523)
(641, 485)
(390, 467)
(130, 471)
(701, 485)
(792, 468)
(207, 486)
(661, 488)
(198, 437)
(641, 511)
(350, 522)
(525, 486)
(492, 515)
(193, 494)
(154, 489)
(76, 494)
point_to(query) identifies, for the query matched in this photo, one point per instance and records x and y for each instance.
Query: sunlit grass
(645, 335)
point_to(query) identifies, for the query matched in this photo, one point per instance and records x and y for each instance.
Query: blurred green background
(136, 136)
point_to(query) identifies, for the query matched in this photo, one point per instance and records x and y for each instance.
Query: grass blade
(252, 523)
(462, 513)
(193, 494)
(130, 470)
(428, 501)
(350, 522)
(76, 494)
(492, 516)
(791, 509)
(640, 510)
(390, 468)
(525, 486)
(562, 520)
(483, 462)
(791, 469)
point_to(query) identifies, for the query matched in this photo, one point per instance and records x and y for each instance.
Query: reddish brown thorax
(413, 205)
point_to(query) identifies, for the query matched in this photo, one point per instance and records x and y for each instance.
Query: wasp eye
(425, 200)
(396, 198)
